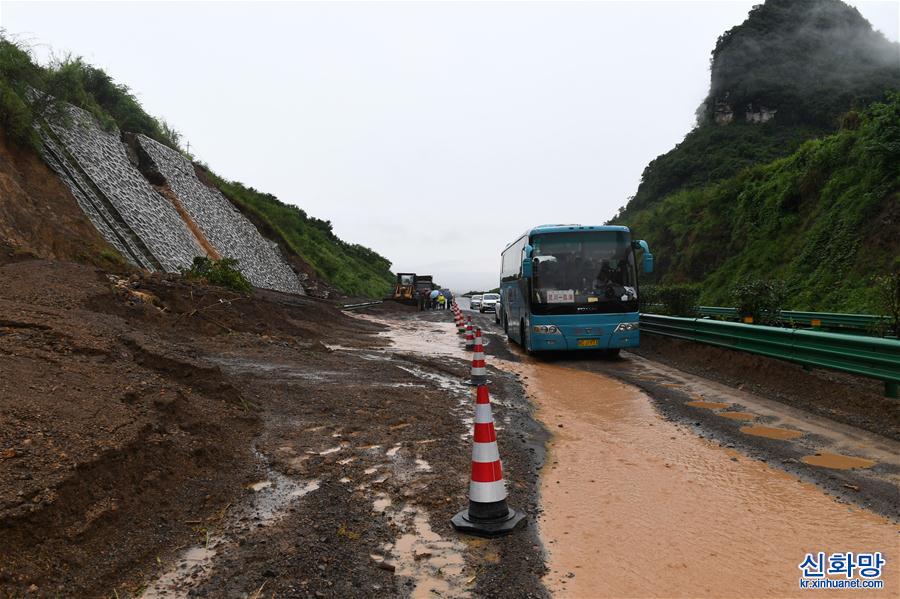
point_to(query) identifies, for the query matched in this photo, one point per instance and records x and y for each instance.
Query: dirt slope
(38, 214)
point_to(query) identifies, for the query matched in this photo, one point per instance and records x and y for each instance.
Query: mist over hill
(748, 193)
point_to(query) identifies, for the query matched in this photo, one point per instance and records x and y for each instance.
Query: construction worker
(442, 302)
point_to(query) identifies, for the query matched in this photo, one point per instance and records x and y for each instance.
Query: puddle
(269, 501)
(393, 451)
(422, 465)
(771, 432)
(382, 502)
(435, 565)
(345, 461)
(242, 365)
(737, 415)
(427, 338)
(709, 405)
(193, 563)
(837, 462)
(331, 450)
(655, 511)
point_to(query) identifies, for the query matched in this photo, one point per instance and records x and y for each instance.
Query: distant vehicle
(572, 287)
(405, 287)
(488, 300)
(425, 283)
(475, 302)
(498, 310)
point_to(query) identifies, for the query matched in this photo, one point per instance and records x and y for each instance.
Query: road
(268, 445)
(643, 498)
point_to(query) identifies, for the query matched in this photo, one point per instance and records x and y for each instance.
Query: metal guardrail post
(892, 389)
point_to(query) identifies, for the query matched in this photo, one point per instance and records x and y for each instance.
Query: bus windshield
(583, 271)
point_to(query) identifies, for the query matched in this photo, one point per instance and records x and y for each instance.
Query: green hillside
(354, 269)
(792, 170)
(824, 220)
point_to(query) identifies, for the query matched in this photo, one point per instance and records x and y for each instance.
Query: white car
(475, 302)
(498, 310)
(488, 301)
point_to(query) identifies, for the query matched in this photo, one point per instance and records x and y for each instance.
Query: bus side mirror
(648, 257)
(527, 267)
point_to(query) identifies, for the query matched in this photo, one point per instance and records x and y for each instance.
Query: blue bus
(568, 287)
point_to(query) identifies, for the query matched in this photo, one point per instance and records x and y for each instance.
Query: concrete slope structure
(98, 169)
(146, 200)
(223, 226)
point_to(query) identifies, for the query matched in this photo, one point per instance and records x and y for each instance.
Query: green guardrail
(865, 356)
(828, 320)
(863, 323)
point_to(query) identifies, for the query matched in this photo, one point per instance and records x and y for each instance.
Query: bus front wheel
(523, 337)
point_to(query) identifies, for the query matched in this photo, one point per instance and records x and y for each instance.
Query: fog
(433, 133)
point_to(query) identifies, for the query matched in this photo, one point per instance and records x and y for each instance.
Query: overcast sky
(434, 133)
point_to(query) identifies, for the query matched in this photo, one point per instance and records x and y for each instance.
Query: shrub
(678, 300)
(648, 299)
(222, 272)
(887, 298)
(761, 299)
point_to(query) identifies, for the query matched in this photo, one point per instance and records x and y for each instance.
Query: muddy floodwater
(638, 506)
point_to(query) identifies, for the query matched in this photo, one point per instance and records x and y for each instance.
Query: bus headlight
(545, 329)
(627, 326)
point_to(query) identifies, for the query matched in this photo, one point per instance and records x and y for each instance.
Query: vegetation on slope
(809, 60)
(68, 80)
(824, 220)
(354, 269)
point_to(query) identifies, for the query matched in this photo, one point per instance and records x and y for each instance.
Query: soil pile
(179, 439)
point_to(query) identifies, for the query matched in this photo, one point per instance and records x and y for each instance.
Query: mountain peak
(798, 61)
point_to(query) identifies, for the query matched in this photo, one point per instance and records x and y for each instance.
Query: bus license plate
(588, 342)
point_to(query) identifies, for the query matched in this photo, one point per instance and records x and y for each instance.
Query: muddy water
(771, 432)
(737, 415)
(636, 506)
(837, 462)
(709, 405)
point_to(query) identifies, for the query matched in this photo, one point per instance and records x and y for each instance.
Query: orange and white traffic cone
(470, 337)
(479, 372)
(488, 514)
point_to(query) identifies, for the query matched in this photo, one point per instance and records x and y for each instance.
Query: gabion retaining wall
(224, 226)
(100, 167)
(142, 224)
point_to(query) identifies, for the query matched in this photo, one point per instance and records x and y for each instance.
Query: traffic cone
(487, 514)
(470, 338)
(460, 327)
(479, 373)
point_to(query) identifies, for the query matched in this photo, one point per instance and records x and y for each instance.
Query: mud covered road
(163, 439)
(660, 483)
